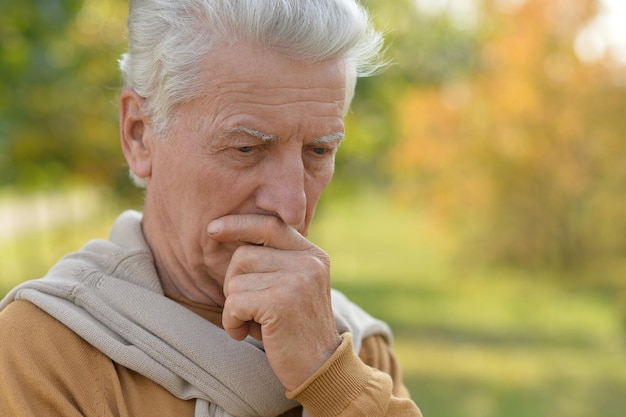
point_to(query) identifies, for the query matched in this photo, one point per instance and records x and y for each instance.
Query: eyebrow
(267, 137)
(333, 137)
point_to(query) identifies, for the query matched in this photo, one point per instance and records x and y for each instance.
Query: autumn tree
(420, 51)
(524, 158)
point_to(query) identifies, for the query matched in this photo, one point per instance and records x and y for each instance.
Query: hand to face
(277, 289)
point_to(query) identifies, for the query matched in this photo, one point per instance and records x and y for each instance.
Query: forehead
(244, 83)
(249, 62)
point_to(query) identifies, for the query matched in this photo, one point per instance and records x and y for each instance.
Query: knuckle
(318, 262)
(230, 306)
(234, 310)
(240, 254)
(243, 258)
(231, 288)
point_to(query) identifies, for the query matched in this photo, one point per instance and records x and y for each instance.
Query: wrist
(336, 384)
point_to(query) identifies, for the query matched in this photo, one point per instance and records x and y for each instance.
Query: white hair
(169, 41)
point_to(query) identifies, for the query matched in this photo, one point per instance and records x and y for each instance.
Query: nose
(282, 192)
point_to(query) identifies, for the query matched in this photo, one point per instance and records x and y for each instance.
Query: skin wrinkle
(335, 137)
(301, 118)
(252, 93)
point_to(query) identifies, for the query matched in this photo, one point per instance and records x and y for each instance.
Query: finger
(250, 259)
(237, 333)
(235, 318)
(238, 318)
(257, 229)
(249, 328)
(237, 281)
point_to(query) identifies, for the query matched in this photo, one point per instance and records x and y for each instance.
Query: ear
(135, 134)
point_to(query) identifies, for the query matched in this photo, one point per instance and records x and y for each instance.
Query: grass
(472, 343)
(476, 343)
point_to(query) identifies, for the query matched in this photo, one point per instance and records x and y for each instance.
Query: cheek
(316, 184)
(313, 190)
(225, 189)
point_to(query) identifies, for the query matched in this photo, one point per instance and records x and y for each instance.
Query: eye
(245, 149)
(320, 150)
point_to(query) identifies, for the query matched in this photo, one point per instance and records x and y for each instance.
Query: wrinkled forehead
(244, 83)
(250, 69)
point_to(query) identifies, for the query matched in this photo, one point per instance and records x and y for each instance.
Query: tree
(58, 81)
(414, 51)
(524, 158)
(59, 84)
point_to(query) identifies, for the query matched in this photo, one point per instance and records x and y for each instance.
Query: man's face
(260, 140)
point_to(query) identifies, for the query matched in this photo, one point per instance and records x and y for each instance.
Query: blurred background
(478, 205)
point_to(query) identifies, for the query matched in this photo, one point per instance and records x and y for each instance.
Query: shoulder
(19, 313)
(29, 327)
(27, 330)
(60, 374)
(50, 362)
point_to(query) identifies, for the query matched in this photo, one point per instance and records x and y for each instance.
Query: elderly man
(213, 302)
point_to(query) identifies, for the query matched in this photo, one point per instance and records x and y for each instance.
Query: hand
(279, 293)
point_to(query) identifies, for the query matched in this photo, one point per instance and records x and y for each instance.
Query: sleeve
(347, 387)
(375, 353)
(45, 366)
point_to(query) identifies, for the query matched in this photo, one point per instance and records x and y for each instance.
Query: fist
(277, 289)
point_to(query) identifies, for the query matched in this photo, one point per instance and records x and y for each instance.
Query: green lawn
(490, 343)
(473, 343)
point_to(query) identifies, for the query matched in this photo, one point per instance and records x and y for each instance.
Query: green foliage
(25, 29)
(421, 52)
(57, 87)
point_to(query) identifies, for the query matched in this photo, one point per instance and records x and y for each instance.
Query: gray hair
(169, 41)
